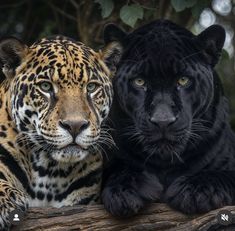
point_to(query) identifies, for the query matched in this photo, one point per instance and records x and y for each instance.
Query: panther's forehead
(162, 56)
(63, 61)
(162, 47)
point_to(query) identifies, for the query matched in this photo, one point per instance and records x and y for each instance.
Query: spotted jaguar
(54, 96)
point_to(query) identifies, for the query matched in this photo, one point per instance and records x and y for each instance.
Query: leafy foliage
(199, 7)
(87, 17)
(106, 7)
(129, 14)
(132, 12)
(180, 5)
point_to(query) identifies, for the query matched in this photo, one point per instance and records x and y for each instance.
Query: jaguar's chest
(59, 186)
(46, 190)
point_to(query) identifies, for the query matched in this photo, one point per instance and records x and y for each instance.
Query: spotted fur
(50, 122)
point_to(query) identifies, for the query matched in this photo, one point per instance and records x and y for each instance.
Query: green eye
(91, 87)
(183, 81)
(139, 82)
(46, 86)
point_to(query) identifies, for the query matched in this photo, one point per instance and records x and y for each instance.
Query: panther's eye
(46, 86)
(91, 87)
(183, 81)
(139, 82)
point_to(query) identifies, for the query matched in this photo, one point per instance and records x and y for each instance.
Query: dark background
(83, 20)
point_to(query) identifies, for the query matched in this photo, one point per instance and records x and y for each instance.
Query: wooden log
(155, 217)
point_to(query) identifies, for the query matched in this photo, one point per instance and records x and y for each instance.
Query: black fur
(175, 143)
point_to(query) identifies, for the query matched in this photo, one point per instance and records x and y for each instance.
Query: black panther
(171, 122)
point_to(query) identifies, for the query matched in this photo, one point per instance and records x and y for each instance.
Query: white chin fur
(69, 154)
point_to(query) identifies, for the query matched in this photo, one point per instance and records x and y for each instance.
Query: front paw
(10, 199)
(121, 201)
(126, 193)
(197, 194)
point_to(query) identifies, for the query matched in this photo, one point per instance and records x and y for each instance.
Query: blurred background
(30, 20)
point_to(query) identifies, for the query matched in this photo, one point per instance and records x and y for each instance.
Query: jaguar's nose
(74, 127)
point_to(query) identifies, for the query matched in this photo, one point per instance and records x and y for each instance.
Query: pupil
(91, 86)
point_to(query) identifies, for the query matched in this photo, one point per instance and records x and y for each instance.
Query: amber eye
(46, 86)
(183, 81)
(91, 87)
(139, 82)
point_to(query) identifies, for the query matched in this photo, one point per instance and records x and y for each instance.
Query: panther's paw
(127, 192)
(121, 201)
(197, 194)
(149, 187)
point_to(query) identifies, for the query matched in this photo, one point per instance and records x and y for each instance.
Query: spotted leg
(10, 199)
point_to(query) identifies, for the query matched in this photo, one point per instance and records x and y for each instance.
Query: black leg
(202, 192)
(126, 190)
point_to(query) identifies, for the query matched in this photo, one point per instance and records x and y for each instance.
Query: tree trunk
(156, 217)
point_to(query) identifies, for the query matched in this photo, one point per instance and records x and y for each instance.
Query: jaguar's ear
(113, 33)
(211, 42)
(113, 40)
(12, 51)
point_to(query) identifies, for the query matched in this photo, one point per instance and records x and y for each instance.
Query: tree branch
(156, 217)
(14, 5)
(54, 7)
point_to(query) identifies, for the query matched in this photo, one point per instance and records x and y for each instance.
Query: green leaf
(190, 3)
(106, 7)
(225, 55)
(129, 14)
(199, 7)
(148, 14)
(180, 5)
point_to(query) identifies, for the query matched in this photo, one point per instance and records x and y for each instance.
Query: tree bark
(155, 217)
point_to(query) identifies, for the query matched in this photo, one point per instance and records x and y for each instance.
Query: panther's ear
(113, 33)
(12, 51)
(111, 55)
(211, 42)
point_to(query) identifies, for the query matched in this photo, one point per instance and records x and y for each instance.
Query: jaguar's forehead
(63, 60)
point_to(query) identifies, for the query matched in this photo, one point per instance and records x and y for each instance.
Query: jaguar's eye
(183, 81)
(91, 87)
(139, 82)
(46, 86)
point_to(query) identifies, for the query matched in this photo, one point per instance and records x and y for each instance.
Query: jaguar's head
(165, 83)
(59, 93)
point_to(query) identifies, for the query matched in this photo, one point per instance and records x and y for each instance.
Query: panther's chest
(59, 186)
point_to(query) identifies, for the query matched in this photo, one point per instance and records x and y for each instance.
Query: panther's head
(59, 92)
(165, 82)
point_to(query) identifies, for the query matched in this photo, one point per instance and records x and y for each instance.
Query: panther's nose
(74, 127)
(162, 116)
(163, 122)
